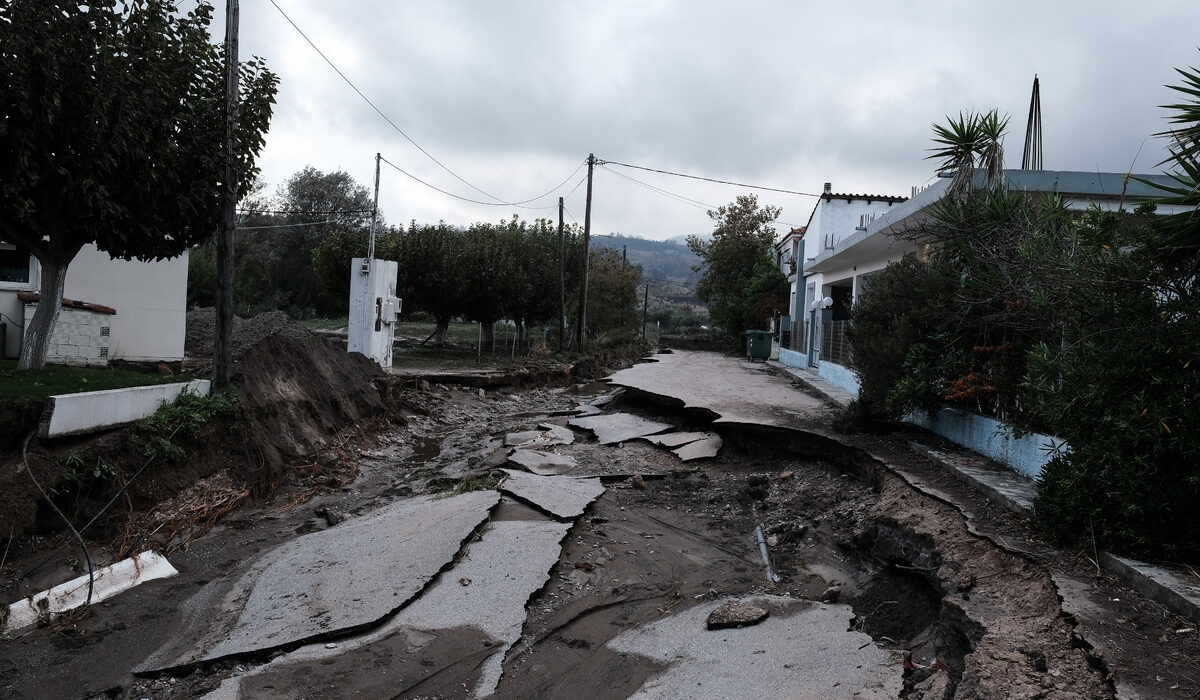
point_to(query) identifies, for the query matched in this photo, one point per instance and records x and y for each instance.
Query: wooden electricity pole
(223, 345)
(580, 331)
(562, 283)
(645, 306)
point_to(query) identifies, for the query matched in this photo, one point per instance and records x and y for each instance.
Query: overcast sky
(512, 96)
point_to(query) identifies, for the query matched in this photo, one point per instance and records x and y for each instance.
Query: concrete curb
(1156, 583)
(71, 414)
(108, 582)
(1009, 489)
(1016, 492)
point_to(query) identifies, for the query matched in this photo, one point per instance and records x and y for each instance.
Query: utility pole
(562, 283)
(645, 305)
(374, 215)
(587, 232)
(223, 345)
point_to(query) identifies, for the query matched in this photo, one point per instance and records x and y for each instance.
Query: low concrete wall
(791, 358)
(838, 376)
(69, 414)
(989, 437)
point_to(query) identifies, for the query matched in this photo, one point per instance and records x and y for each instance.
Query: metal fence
(835, 342)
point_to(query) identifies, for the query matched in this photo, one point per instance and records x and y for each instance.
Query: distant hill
(666, 265)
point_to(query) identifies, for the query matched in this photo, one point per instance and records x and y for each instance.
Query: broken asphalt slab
(700, 449)
(618, 427)
(689, 446)
(542, 463)
(546, 435)
(564, 497)
(803, 650)
(331, 581)
(722, 385)
(673, 440)
(486, 590)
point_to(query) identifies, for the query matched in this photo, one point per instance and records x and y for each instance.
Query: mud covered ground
(976, 616)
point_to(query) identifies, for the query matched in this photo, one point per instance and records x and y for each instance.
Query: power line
(309, 223)
(377, 110)
(303, 212)
(682, 199)
(708, 179)
(487, 204)
(438, 189)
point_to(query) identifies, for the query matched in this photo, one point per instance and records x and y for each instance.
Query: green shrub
(186, 417)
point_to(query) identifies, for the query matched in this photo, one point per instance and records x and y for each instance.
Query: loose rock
(735, 614)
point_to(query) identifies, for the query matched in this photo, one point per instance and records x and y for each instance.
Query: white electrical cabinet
(374, 308)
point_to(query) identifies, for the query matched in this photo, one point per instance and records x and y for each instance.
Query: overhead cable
(685, 200)
(377, 110)
(707, 179)
(305, 212)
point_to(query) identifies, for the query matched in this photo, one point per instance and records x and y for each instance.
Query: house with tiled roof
(112, 309)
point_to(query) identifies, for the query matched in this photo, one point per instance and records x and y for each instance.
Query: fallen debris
(546, 435)
(109, 581)
(766, 557)
(735, 614)
(700, 449)
(673, 440)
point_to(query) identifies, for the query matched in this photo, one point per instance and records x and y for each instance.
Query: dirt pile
(295, 392)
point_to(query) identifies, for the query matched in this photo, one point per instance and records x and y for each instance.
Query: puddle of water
(590, 389)
(429, 448)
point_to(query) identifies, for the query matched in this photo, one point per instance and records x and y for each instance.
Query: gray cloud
(513, 95)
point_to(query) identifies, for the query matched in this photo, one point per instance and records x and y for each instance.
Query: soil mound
(295, 392)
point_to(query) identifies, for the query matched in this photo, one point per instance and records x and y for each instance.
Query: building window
(18, 269)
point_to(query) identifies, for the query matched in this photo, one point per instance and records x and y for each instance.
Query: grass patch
(51, 380)
(325, 323)
(485, 482)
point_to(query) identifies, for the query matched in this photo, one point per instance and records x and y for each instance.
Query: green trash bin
(758, 345)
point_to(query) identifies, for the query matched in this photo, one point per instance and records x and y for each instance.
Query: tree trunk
(439, 333)
(41, 326)
(488, 336)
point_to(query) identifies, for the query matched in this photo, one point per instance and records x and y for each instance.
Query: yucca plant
(971, 141)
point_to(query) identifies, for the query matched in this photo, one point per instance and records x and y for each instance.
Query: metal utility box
(373, 308)
(758, 345)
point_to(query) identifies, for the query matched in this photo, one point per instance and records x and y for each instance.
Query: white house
(838, 259)
(143, 305)
(835, 218)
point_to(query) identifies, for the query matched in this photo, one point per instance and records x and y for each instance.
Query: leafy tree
(742, 241)
(613, 284)
(430, 259)
(275, 269)
(112, 121)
